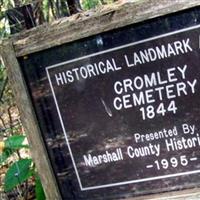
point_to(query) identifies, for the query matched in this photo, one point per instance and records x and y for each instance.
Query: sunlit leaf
(16, 142)
(19, 172)
(40, 195)
(5, 155)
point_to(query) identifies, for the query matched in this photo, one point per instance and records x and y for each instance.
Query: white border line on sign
(63, 127)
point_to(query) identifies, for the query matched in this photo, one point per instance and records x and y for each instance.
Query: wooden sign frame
(63, 31)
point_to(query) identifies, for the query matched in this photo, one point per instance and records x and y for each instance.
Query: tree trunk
(74, 6)
(52, 9)
(63, 8)
(20, 18)
(38, 13)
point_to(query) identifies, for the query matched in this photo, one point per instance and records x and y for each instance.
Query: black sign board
(120, 111)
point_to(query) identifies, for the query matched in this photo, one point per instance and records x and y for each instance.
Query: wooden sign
(118, 111)
(133, 107)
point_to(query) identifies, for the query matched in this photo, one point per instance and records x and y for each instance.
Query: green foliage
(15, 142)
(88, 4)
(8, 4)
(17, 174)
(46, 9)
(5, 155)
(21, 170)
(39, 189)
(49, 10)
(12, 144)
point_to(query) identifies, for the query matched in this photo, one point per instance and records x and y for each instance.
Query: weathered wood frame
(29, 121)
(63, 31)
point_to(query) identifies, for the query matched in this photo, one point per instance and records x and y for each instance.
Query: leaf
(17, 174)
(40, 195)
(6, 153)
(11, 144)
(15, 142)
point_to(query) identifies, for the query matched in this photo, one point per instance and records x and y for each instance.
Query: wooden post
(29, 121)
(68, 30)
